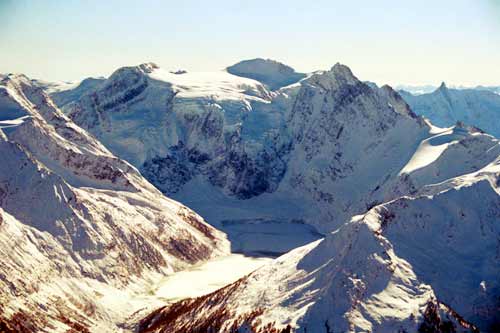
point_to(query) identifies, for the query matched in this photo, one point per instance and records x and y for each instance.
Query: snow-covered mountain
(495, 89)
(427, 89)
(77, 224)
(172, 125)
(427, 262)
(318, 151)
(64, 95)
(416, 89)
(409, 210)
(444, 107)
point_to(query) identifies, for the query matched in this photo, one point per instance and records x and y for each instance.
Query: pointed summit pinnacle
(342, 70)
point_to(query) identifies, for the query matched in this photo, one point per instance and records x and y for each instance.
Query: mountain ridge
(76, 219)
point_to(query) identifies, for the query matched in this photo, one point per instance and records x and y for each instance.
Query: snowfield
(430, 149)
(217, 85)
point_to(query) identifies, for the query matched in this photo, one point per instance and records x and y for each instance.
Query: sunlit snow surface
(430, 149)
(209, 84)
(13, 122)
(208, 277)
(127, 306)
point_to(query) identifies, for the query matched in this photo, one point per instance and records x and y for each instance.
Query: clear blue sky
(393, 42)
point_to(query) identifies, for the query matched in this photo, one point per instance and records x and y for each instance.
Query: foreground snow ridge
(77, 224)
(424, 263)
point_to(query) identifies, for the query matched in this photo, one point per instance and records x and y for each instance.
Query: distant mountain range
(444, 107)
(425, 89)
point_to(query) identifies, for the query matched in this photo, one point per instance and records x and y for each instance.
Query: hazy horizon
(423, 43)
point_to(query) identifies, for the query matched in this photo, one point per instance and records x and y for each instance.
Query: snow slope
(426, 263)
(445, 106)
(77, 222)
(273, 74)
(65, 95)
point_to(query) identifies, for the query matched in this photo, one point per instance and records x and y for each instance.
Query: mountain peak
(272, 73)
(148, 67)
(139, 70)
(15, 77)
(262, 63)
(443, 86)
(342, 74)
(341, 70)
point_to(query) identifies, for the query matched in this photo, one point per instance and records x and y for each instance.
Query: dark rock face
(252, 178)
(438, 318)
(243, 176)
(171, 172)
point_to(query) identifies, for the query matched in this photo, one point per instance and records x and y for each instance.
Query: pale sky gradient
(395, 42)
